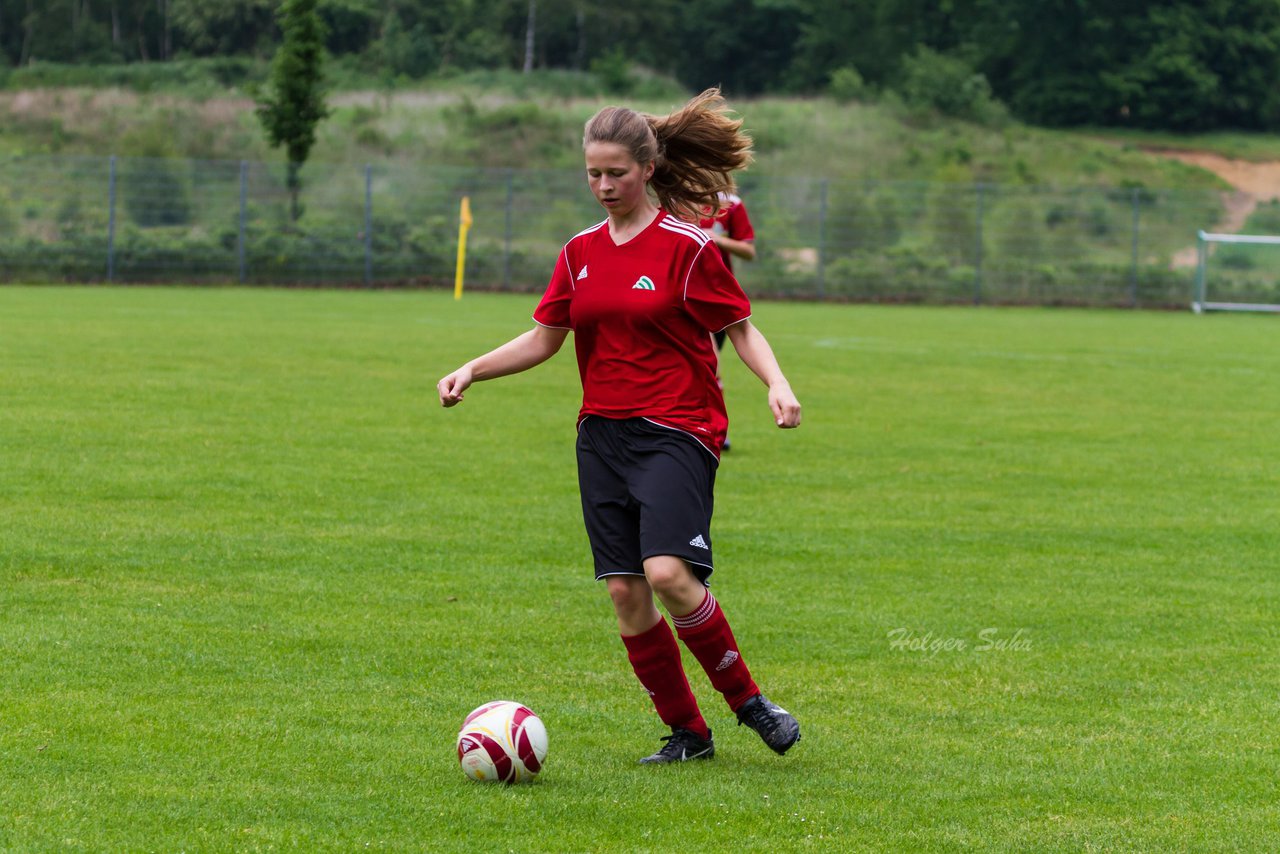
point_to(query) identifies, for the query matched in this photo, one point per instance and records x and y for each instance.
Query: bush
(614, 71)
(863, 217)
(191, 76)
(900, 274)
(509, 135)
(846, 85)
(409, 52)
(1266, 219)
(1232, 258)
(154, 191)
(158, 254)
(1128, 190)
(949, 85)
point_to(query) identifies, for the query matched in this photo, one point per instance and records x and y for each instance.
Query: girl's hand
(786, 409)
(452, 386)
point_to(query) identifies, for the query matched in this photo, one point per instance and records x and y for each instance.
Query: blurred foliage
(1186, 65)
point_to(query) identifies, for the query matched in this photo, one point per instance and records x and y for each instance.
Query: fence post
(240, 235)
(1133, 267)
(368, 224)
(977, 264)
(822, 239)
(506, 240)
(111, 222)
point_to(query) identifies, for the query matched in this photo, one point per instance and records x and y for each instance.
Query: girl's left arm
(756, 354)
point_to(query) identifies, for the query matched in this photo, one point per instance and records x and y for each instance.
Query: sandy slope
(1253, 182)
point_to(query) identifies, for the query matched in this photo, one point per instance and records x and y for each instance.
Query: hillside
(470, 126)
(862, 200)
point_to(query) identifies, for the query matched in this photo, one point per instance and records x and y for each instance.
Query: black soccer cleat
(772, 723)
(681, 746)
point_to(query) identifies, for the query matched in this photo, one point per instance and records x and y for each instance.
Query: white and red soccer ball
(502, 742)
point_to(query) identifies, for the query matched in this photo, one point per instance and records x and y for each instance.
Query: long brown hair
(694, 150)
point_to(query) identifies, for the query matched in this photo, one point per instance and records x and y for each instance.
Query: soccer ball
(502, 741)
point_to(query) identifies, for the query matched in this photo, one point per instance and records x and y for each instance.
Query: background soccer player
(641, 291)
(730, 229)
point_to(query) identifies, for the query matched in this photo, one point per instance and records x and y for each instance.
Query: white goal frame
(1199, 303)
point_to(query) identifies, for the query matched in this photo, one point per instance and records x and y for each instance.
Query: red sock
(707, 634)
(655, 657)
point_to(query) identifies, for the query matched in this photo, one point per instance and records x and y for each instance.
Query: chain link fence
(116, 219)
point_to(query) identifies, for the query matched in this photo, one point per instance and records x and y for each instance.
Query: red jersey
(640, 314)
(732, 221)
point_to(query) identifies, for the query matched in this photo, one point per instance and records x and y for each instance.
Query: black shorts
(647, 490)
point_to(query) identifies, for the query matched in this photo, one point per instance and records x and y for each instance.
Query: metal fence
(116, 219)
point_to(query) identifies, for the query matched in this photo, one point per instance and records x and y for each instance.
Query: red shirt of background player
(732, 221)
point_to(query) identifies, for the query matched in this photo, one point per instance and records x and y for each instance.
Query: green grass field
(1016, 575)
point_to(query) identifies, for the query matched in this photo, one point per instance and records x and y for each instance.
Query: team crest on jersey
(644, 283)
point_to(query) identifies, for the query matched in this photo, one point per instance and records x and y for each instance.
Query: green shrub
(1234, 258)
(1128, 190)
(1265, 219)
(862, 217)
(614, 72)
(510, 134)
(372, 137)
(154, 191)
(846, 85)
(949, 85)
(901, 274)
(196, 77)
(410, 52)
(161, 253)
(951, 222)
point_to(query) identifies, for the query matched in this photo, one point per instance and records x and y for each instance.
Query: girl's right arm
(519, 354)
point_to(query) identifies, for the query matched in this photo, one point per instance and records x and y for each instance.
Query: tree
(224, 28)
(744, 46)
(528, 36)
(875, 36)
(294, 104)
(1170, 64)
(350, 25)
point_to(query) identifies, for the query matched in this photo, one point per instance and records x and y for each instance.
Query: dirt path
(1260, 180)
(1253, 182)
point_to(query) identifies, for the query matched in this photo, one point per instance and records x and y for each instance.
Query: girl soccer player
(641, 291)
(731, 230)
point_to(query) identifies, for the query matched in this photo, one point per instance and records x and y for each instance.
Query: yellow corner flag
(464, 224)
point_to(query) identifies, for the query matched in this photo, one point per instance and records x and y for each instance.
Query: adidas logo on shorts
(699, 542)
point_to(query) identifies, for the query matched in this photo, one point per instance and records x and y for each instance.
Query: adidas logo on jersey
(699, 542)
(582, 274)
(644, 283)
